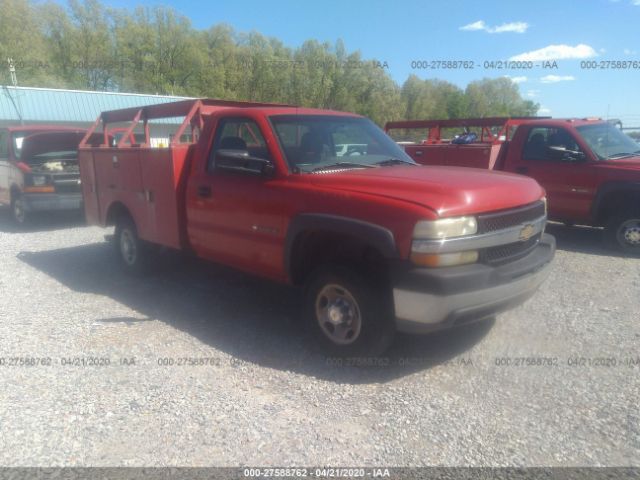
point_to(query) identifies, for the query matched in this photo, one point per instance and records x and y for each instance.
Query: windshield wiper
(393, 161)
(623, 154)
(342, 164)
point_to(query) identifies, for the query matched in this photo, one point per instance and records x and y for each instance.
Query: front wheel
(18, 212)
(623, 231)
(347, 314)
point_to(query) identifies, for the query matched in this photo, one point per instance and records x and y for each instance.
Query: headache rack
(136, 118)
(492, 130)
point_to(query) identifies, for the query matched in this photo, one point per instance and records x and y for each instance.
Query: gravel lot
(267, 397)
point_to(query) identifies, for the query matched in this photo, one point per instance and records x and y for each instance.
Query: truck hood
(55, 141)
(447, 190)
(52, 151)
(631, 163)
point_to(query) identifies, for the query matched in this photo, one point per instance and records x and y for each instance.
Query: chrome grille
(491, 222)
(509, 252)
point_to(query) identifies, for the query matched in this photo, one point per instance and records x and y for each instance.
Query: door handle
(522, 169)
(204, 191)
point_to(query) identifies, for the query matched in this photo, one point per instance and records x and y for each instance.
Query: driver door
(236, 218)
(567, 178)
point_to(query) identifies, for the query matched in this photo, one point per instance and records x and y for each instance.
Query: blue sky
(399, 32)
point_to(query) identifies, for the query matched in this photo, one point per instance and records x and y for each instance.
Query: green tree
(156, 50)
(497, 97)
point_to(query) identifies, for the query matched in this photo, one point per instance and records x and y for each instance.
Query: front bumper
(433, 299)
(45, 202)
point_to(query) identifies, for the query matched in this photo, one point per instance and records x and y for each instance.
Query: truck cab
(39, 170)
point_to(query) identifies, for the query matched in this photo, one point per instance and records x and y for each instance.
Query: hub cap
(128, 247)
(338, 314)
(629, 233)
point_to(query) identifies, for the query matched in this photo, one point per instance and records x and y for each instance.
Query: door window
(241, 134)
(549, 144)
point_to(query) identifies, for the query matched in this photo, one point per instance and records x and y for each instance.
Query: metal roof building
(30, 105)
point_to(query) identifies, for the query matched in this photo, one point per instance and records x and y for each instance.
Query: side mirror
(239, 161)
(565, 155)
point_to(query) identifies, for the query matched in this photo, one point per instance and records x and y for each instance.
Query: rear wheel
(623, 232)
(18, 212)
(132, 251)
(347, 314)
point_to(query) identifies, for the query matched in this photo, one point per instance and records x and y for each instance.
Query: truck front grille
(491, 222)
(509, 252)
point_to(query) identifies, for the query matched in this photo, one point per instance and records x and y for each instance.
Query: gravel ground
(268, 398)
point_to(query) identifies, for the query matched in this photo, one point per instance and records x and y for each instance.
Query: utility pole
(12, 71)
(14, 81)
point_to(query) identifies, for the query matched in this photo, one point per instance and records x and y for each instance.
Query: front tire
(131, 250)
(348, 314)
(19, 214)
(623, 232)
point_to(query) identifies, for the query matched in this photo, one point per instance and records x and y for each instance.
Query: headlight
(445, 228)
(426, 231)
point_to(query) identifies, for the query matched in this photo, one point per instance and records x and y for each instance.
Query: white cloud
(479, 25)
(628, 51)
(515, 27)
(532, 93)
(544, 110)
(557, 52)
(635, 2)
(520, 79)
(557, 78)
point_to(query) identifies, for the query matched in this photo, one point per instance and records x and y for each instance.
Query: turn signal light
(444, 259)
(41, 189)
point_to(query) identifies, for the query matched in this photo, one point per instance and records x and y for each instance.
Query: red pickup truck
(320, 199)
(589, 167)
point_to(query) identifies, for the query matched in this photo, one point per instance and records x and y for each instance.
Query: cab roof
(563, 122)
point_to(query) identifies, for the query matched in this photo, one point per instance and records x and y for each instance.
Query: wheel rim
(629, 233)
(338, 314)
(18, 210)
(128, 247)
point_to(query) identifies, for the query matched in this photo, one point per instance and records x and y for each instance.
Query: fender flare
(608, 188)
(376, 236)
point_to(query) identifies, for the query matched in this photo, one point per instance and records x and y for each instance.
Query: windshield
(607, 141)
(315, 142)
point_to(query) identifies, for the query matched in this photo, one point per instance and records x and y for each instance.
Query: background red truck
(39, 169)
(589, 168)
(324, 200)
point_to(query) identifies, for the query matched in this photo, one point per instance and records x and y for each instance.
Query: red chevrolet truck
(322, 200)
(589, 167)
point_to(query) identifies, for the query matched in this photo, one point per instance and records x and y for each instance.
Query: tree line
(87, 45)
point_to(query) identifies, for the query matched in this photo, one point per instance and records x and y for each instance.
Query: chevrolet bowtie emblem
(526, 233)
